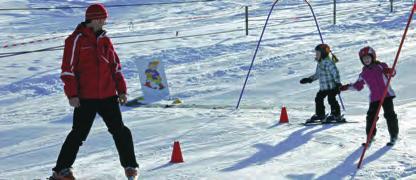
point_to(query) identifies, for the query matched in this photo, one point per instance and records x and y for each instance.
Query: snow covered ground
(216, 143)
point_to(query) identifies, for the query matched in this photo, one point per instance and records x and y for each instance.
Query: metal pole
(316, 21)
(255, 53)
(335, 12)
(246, 20)
(391, 5)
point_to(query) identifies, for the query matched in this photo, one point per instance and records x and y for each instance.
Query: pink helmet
(368, 51)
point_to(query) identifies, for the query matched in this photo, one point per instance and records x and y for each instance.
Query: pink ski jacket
(376, 80)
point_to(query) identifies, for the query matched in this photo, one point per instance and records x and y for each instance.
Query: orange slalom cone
(283, 116)
(176, 153)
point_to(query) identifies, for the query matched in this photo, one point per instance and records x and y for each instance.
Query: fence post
(246, 20)
(391, 6)
(335, 12)
(131, 25)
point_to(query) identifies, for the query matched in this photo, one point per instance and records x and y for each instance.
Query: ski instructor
(93, 83)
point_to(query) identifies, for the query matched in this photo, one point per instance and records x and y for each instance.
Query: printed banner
(153, 80)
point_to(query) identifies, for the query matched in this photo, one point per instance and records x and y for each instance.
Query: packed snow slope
(206, 64)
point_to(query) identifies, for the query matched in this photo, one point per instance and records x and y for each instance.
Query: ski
(179, 104)
(196, 106)
(327, 123)
(133, 178)
(63, 178)
(139, 102)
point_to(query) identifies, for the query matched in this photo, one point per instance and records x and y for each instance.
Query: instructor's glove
(74, 102)
(122, 98)
(306, 80)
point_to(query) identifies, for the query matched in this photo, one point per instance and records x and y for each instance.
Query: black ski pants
(389, 114)
(83, 119)
(319, 102)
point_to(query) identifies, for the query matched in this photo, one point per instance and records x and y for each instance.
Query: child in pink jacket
(374, 74)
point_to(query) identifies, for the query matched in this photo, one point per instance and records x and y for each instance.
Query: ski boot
(64, 174)
(393, 140)
(161, 86)
(315, 118)
(131, 173)
(369, 143)
(334, 118)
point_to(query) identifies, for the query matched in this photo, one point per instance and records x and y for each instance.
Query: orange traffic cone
(176, 153)
(283, 116)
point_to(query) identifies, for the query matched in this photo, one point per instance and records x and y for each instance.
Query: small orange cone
(176, 153)
(283, 116)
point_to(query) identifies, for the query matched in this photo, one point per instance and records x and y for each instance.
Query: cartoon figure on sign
(153, 79)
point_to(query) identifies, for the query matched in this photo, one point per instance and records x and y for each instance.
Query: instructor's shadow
(266, 152)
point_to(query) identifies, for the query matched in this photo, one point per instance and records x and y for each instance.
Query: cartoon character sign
(153, 80)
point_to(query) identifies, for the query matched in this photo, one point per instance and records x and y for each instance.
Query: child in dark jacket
(329, 83)
(374, 74)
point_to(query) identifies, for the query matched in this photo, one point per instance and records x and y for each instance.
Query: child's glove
(344, 87)
(389, 71)
(306, 80)
(148, 84)
(338, 87)
(161, 86)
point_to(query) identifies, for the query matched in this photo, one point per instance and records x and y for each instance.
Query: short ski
(64, 178)
(139, 102)
(133, 178)
(195, 106)
(326, 123)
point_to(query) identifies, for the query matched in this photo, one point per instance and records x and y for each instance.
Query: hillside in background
(206, 64)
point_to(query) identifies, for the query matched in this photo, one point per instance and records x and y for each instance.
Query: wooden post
(335, 12)
(246, 20)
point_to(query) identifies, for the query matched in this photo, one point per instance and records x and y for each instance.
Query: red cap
(96, 11)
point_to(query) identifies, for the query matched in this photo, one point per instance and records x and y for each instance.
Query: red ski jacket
(90, 66)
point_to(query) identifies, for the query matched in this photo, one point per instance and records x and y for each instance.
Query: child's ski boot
(392, 141)
(64, 174)
(334, 119)
(131, 173)
(315, 118)
(369, 143)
